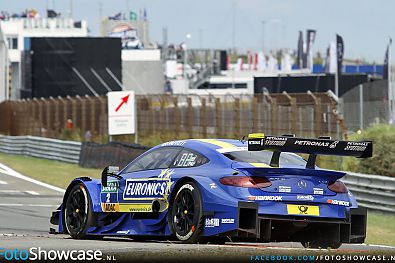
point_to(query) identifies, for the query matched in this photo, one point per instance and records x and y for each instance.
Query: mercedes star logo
(302, 184)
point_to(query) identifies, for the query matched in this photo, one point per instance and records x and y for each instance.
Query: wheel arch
(73, 183)
(176, 187)
(179, 183)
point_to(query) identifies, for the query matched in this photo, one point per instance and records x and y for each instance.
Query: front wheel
(186, 213)
(77, 212)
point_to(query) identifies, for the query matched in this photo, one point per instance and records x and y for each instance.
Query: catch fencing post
(92, 115)
(203, 118)
(152, 114)
(292, 103)
(83, 115)
(317, 114)
(73, 110)
(360, 107)
(237, 117)
(254, 114)
(273, 105)
(103, 116)
(177, 116)
(162, 116)
(218, 117)
(190, 117)
(40, 116)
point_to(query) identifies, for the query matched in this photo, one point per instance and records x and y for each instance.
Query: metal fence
(179, 117)
(65, 151)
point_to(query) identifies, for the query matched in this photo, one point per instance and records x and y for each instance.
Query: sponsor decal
(227, 221)
(213, 185)
(257, 142)
(110, 207)
(338, 202)
(150, 188)
(276, 141)
(125, 232)
(112, 187)
(318, 191)
(128, 207)
(312, 143)
(212, 222)
(133, 188)
(303, 210)
(333, 144)
(284, 189)
(186, 160)
(174, 143)
(265, 198)
(305, 197)
(276, 179)
(356, 146)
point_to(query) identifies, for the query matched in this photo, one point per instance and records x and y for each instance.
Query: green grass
(52, 172)
(380, 231)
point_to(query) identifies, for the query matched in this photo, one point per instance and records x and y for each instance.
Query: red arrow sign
(124, 101)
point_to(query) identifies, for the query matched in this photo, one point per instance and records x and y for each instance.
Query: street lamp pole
(188, 36)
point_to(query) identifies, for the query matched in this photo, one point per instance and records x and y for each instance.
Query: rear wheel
(186, 212)
(77, 212)
(322, 244)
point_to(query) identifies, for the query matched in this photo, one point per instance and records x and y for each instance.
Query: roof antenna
(243, 139)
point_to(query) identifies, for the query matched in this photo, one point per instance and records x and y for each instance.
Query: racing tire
(77, 213)
(186, 213)
(323, 245)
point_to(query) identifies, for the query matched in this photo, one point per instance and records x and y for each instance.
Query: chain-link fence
(365, 105)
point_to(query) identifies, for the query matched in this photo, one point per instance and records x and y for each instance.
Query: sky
(364, 25)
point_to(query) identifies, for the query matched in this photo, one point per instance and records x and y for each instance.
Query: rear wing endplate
(313, 147)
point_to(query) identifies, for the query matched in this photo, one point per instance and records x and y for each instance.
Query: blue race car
(197, 189)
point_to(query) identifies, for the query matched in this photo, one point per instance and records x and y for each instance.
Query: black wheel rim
(184, 212)
(75, 211)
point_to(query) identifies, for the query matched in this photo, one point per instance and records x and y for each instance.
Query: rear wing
(322, 145)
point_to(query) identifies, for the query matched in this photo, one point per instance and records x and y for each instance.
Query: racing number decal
(109, 197)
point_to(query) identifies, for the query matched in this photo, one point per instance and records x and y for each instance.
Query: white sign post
(121, 113)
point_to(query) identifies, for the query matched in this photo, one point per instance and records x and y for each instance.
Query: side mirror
(109, 171)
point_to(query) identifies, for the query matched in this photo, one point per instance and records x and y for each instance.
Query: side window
(157, 159)
(188, 158)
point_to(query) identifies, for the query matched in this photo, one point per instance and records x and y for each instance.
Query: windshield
(264, 157)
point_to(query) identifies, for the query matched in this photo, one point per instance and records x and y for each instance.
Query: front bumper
(275, 228)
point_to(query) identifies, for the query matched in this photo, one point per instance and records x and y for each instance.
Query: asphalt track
(25, 207)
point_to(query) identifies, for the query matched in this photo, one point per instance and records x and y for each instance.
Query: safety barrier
(65, 151)
(374, 192)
